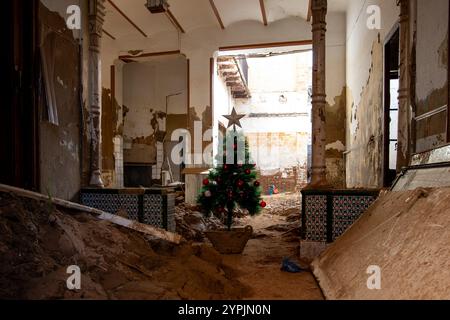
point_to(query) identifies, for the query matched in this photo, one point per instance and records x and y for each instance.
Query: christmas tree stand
(230, 242)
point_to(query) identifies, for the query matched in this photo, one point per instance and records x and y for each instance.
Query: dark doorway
(391, 86)
(18, 114)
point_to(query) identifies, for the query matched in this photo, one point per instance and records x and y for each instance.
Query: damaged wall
(60, 144)
(431, 73)
(364, 93)
(154, 99)
(278, 123)
(336, 98)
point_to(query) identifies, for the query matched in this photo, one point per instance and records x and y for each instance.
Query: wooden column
(404, 96)
(319, 12)
(96, 19)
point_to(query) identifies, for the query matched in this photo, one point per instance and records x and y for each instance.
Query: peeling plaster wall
(145, 120)
(60, 145)
(336, 98)
(199, 45)
(431, 72)
(364, 93)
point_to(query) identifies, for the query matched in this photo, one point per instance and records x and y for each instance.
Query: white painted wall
(336, 74)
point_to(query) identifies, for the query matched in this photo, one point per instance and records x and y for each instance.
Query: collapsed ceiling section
(234, 71)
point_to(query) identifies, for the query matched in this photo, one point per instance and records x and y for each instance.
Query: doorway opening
(147, 102)
(391, 86)
(272, 88)
(19, 118)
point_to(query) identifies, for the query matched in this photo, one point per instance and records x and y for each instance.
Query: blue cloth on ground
(289, 266)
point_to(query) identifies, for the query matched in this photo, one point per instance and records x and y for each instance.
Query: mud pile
(38, 242)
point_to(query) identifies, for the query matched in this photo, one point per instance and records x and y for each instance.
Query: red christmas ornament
(205, 182)
(263, 204)
(240, 183)
(248, 171)
(225, 167)
(256, 184)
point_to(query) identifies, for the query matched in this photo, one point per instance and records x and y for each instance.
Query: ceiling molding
(127, 18)
(174, 21)
(217, 14)
(109, 34)
(263, 12)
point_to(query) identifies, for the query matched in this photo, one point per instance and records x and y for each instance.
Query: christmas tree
(233, 182)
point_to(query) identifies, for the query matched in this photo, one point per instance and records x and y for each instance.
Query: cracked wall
(365, 149)
(61, 144)
(364, 94)
(155, 105)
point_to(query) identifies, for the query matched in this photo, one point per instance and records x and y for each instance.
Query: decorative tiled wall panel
(346, 210)
(316, 222)
(155, 209)
(326, 215)
(113, 203)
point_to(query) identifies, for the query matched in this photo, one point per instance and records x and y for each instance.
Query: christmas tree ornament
(263, 204)
(248, 171)
(234, 119)
(205, 182)
(240, 183)
(257, 184)
(208, 194)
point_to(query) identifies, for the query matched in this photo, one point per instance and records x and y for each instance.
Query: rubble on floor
(287, 206)
(192, 224)
(38, 242)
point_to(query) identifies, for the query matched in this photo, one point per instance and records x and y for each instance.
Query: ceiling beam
(309, 11)
(150, 54)
(174, 21)
(109, 34)
(263, 12)
(127, 18)
(217, 14)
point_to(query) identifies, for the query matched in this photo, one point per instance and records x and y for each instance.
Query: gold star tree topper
(234, 119)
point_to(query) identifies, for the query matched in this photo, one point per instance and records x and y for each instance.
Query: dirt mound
(38, 243)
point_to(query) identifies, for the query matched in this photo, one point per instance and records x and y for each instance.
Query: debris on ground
(38, 242)
(192, 224)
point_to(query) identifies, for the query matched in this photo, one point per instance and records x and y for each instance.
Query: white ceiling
(193, 14)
